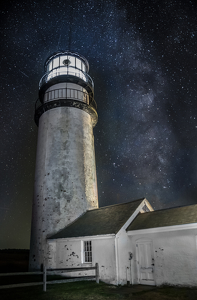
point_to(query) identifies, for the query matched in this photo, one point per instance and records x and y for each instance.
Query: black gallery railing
(66, 71)
(67, 93)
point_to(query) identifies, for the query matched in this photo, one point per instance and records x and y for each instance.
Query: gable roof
(165, 217)
(104, 220)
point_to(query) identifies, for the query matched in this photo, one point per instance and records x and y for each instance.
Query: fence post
(97, 272)
(44, 278)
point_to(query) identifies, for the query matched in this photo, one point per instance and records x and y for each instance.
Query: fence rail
(21, 273)
(49, 272)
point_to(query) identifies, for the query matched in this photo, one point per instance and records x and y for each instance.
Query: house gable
(143, 207)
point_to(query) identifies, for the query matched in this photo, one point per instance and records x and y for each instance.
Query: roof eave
(163, 229)
(100, 236)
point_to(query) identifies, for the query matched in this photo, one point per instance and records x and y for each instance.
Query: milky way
(143, 60)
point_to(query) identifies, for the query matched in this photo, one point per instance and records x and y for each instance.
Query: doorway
(145, 262)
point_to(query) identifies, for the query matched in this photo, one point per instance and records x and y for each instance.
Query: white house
(164, 245)
(132, 243)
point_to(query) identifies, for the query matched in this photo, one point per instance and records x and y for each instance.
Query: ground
(90, 290)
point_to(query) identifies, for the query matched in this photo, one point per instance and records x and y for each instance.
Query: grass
(68, 291)
(90, 290)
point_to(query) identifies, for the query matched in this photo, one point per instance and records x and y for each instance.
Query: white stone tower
(65, 175)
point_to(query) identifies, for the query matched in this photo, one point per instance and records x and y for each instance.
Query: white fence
(51, 272)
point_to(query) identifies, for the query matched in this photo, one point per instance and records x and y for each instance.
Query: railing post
(97, 272)
(44, 278)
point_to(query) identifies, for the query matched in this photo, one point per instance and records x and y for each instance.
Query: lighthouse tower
(65, 175)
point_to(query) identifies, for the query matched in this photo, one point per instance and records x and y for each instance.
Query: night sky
(143, 60)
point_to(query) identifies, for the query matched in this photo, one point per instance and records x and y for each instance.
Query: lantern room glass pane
(83, 67)
(49, 67)
(56, 62)
(66, 57)
(78, 63)
(63, 70)
(72, 61)
(71, 71)
(81, 75)
(62, 58)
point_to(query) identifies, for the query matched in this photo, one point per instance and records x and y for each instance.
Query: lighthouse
(65, 174)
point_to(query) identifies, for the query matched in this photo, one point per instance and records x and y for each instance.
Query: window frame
(87, 252)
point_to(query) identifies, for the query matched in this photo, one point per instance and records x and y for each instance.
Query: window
(83, 67)
(56, 62)
(62, 59)
(145, 208)
(87, 251)
(66, 62)
(49, 66)
(78, 63)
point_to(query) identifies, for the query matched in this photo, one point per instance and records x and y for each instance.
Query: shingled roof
(104, 220)
(166, 217)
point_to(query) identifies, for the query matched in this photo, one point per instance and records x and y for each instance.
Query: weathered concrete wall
(70, 254)
(65, 176)
(123, 249)
(51, 254)
(175, 257)
(104, 254)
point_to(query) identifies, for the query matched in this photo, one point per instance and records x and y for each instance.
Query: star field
(143, 60)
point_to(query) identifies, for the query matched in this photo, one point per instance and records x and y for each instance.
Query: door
(145, 262)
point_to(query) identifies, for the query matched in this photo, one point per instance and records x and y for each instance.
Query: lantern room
(66, 83)
(67, 64)
(66, 67)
